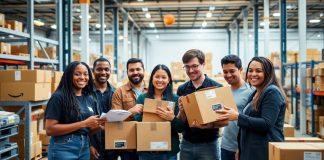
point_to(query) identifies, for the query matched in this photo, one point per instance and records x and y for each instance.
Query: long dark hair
(269, 79)
(168, 91)
(70, 105)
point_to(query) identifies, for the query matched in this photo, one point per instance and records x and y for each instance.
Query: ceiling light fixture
(98, 25)
(211, 8)
(38, 22)
(204, 24)
(140, 0)
(209, 14)
(53, 26)
(144, 9)
(157, 36)
(277, 14)
(148, 15)
(318, 35)
(314, 21)
(152, 25)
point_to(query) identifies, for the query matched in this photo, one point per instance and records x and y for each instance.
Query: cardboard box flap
(150, 105)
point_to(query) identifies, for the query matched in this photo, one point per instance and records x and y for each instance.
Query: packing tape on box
(153, 126)
(120, 125)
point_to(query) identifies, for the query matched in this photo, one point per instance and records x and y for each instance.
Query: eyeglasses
(193, 67)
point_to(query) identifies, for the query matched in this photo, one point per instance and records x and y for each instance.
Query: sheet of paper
(116, 115)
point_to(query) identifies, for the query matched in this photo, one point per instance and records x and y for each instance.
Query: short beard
(137, 81)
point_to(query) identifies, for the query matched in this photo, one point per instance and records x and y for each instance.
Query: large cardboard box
(15, 25)
(44, 138)
(25, 76)
(153, 136)
(54, 87)
(321, 125)
(176, 66)
(25, 91)
(303, 139)
(5, 48)
(23, 50)
(2, 19)
(319, 80)
(120, 135)
(289, 131)
(51, 52)
(296, 151)
(200, 106)
(150, 108)
(56, 76)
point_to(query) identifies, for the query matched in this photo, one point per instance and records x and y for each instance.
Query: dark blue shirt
(54, 110)
(104, 105)
(196, 135)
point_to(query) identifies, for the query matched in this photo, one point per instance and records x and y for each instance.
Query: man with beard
(104, 91)
(125, 96)
(199, 142)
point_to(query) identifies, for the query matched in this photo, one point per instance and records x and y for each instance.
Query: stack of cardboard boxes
(10, 24)
(319, 77)
(51, 52)
(152, 134)
(109, 54)
(56, 78)
(275, 58)
(208, 64)
(318, 111)
(311, 54)
(37, 125)
(178, 73)
(25, 85)
(22, 50)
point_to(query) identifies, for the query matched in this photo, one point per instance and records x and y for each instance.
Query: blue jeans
(227, 155)
(69, 147)
(153, 156)
(199, 151)
(114, 154)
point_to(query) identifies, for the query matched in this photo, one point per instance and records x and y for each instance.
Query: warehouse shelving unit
(295, 93)
(26, 106)
(30, 38)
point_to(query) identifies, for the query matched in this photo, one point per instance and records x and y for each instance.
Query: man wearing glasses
(201, 141)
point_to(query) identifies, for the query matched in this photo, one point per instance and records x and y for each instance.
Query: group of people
(77, 132)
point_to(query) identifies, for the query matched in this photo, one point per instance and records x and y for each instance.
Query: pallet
(37, 157)
(8, 131)
(10, 151)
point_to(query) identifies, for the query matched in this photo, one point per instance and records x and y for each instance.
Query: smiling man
(232, 69)
(201, 141)
(125, 96)
(104, 91)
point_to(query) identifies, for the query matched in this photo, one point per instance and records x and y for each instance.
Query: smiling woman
(69, 114)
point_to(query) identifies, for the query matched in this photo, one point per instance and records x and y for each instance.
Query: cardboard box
(319, 87)
(308, 83)
(8, 26)
(296, 151)
(51, 52)
(289, 131)
(321, 125)
(200, 106)
(319, 80)
(120, 135)
(5, 48)
(22, 50)
(2, 19)
(318, 111)
(303, 139)
(208, 57)
(25, 91)
(44, 138)
(150, 108)
(54, 86)
(56, 76)
(308, 72)
(15, 25)
(178, 74)
(36, 149)
(153, 136)
(25, 76)
(176, 66)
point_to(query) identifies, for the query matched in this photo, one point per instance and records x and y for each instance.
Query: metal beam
(229, 41)
(59, 33)
(129, 16)
(266, 20)
(161, 15)
(283, 38)
(246, 36)
(115, 30)
(256, 28)
(31, 44)
(302, 68)
(102, 26)
(85, 33)
(182, 4)
(238, 37)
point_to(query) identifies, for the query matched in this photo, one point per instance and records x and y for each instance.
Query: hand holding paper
(116, 115)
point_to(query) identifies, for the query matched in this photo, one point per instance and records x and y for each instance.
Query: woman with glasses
(160, 87)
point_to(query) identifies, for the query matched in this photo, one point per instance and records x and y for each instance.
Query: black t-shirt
(196, 135)
(54, 110)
